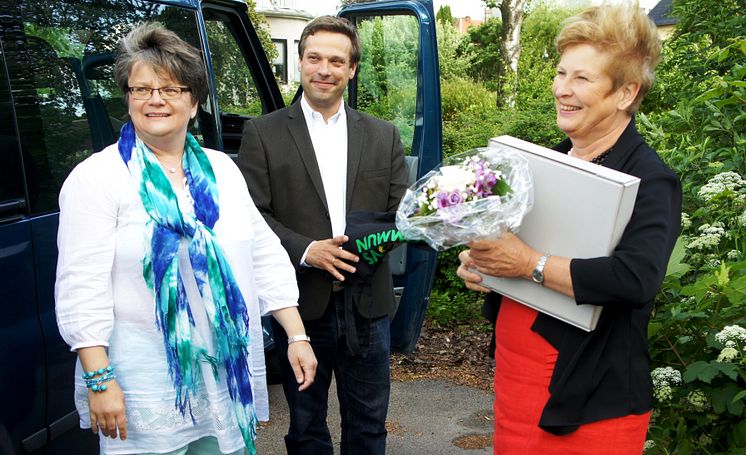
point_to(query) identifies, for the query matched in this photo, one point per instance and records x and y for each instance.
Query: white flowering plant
(476, 194)
(698, 327)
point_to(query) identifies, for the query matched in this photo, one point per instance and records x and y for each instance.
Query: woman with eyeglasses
(164, 269)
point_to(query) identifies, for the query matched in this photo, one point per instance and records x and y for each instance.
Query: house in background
(463, 24)
(661, 16)
(286, 23)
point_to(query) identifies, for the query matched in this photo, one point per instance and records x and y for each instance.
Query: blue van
(59, 104)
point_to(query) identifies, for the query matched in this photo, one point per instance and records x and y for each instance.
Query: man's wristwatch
(538, 274)
(295, 338)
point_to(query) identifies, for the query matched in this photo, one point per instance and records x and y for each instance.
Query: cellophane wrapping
(473, 195)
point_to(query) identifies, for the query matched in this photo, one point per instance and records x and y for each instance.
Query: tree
(444, 15)
(351, 2)
(512, 13)
(262, 29)
(482, 48)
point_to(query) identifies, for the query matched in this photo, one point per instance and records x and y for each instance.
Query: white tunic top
(102, 300)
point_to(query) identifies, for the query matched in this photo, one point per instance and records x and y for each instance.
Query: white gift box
(580, 211)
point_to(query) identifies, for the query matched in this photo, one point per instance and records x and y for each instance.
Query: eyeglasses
(167, 93)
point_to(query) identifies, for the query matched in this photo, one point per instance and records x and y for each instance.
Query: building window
(296, 58)
(281, 62)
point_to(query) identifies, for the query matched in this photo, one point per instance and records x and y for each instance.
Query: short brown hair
(624, 32)
(335, 25)
(162, 49)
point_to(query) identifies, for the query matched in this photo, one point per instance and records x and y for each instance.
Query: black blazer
(279, 163)
(606, 373)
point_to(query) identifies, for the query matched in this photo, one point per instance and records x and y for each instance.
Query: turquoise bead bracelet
(99, 372)
(96, 384)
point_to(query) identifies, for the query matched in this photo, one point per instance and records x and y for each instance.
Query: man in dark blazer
(307, 166)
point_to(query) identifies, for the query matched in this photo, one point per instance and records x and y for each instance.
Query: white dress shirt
(103, 300)
(329, 139)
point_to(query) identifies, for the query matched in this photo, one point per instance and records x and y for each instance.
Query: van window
(235, 86)
(387, 74)
(11, 173)
(60, 58)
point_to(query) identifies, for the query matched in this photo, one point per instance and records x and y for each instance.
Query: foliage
(696, 119)
(453, 62)
(539, 57)
(452, 305)
(444, 15)
(704, 292)
(387, 74)
(261, 25)
(482, 49)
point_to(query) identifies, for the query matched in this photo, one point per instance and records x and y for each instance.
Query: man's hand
(303, 361)
(328, 255)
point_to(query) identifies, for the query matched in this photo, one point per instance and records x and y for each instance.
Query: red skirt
(524, 362)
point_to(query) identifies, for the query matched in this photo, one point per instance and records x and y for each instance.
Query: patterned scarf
(223, 302)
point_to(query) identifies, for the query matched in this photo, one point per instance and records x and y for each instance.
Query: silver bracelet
(295, 338)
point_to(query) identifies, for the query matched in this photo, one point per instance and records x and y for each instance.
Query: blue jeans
(363, 386)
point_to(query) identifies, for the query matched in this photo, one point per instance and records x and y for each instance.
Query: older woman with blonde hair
(164, 268)
(558, 388)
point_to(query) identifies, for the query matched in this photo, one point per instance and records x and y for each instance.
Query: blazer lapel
(299, 132)
(355, 141)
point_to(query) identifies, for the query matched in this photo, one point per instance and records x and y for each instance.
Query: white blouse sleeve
(274, 275)
(86, 243)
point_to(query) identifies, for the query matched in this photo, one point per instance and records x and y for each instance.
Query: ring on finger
(334, 260)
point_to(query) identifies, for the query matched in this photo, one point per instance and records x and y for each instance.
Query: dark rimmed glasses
(167, 93)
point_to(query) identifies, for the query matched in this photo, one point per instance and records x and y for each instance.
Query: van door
(399, 80)
(245, 86)
(58, 60)
(22, 352)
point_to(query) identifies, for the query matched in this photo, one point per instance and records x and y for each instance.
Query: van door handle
(12, 210)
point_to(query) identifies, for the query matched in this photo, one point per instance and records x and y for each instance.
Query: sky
(459, 8)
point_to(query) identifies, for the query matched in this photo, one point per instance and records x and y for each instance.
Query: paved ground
(425, 417)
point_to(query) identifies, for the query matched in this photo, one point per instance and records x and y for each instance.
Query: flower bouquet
(476, 194)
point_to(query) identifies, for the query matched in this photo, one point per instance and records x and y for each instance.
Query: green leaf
(676, 264)
(739, 433)
(653, 329)
(700, 370)
(722, 399)
(740, 395)
(736, 291)
(726, 368)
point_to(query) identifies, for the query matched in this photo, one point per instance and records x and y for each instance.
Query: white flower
(731, 332)
(742, 219)
(733, 255)
(698, 400)
(663, 381)
(709, 236)
(686, 221)
(649, 444)
(721, 182)
(454, 178)
(728, 355)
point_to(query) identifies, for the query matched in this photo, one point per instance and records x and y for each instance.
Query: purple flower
(442, 200)
(455, 198)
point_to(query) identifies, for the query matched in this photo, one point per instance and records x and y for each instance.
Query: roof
(661, 14)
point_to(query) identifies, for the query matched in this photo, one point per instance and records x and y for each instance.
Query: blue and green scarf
(223, 302)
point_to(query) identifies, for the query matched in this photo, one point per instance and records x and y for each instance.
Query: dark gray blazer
(279, 164)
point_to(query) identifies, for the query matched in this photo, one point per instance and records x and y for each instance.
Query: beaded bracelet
(96, 384)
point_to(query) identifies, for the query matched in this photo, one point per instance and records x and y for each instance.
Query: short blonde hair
(624, 32)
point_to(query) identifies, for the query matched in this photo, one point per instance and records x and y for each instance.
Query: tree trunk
(512, 12)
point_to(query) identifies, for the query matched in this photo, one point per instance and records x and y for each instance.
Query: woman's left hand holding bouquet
(106, 407)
